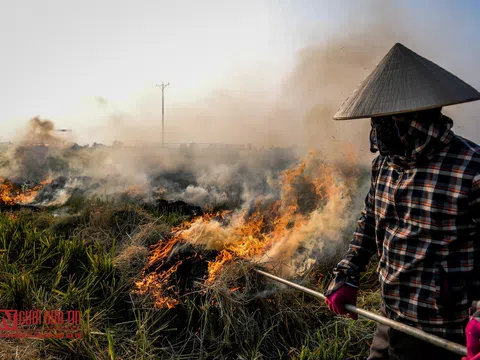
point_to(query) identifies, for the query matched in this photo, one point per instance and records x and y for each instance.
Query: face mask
(388, 136)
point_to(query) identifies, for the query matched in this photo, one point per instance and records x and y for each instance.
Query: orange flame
(312, 204)
(215, 266)
(11, 194)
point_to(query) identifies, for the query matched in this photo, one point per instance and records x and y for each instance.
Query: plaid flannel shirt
(422, 217)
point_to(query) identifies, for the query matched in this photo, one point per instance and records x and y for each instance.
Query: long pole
(163, 86)
(419, 334)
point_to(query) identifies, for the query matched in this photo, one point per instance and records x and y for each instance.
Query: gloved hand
(345, 295)
(473, 339)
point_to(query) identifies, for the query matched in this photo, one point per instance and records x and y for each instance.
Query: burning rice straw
(310, 215)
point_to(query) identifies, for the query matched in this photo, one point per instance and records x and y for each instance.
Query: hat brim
(405, 82)
(404, 111)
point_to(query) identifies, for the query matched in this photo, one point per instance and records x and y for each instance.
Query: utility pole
(163, 86)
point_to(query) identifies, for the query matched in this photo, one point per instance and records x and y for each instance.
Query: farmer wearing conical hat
(422, 213)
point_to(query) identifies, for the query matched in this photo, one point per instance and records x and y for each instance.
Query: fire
(160, 281)
(311, 209)
(215, 266)
(11, 194)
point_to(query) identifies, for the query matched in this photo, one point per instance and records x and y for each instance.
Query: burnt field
(156, 249)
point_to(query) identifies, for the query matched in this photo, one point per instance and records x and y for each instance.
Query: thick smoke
(40, 132)
(206, 176)
(35, 153)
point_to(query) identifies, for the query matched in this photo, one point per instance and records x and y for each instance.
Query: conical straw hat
(402, 82)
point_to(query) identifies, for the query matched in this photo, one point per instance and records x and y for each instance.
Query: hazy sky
(77, 62)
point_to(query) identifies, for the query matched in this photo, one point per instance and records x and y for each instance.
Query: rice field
(92, 261)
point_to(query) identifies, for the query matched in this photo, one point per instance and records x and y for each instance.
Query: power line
(163, 86)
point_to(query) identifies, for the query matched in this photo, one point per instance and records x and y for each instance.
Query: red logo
(40, 324)
(8, 320)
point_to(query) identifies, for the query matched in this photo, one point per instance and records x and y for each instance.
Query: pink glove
(345, 295)
(473, 339)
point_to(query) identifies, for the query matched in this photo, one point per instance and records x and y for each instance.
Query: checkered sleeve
(475, 211)
(475, 200)
(363, 245)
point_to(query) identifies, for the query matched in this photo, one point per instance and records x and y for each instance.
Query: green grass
(87, 262)
(325, 344)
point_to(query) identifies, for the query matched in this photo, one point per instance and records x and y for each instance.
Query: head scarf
(421, 133)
